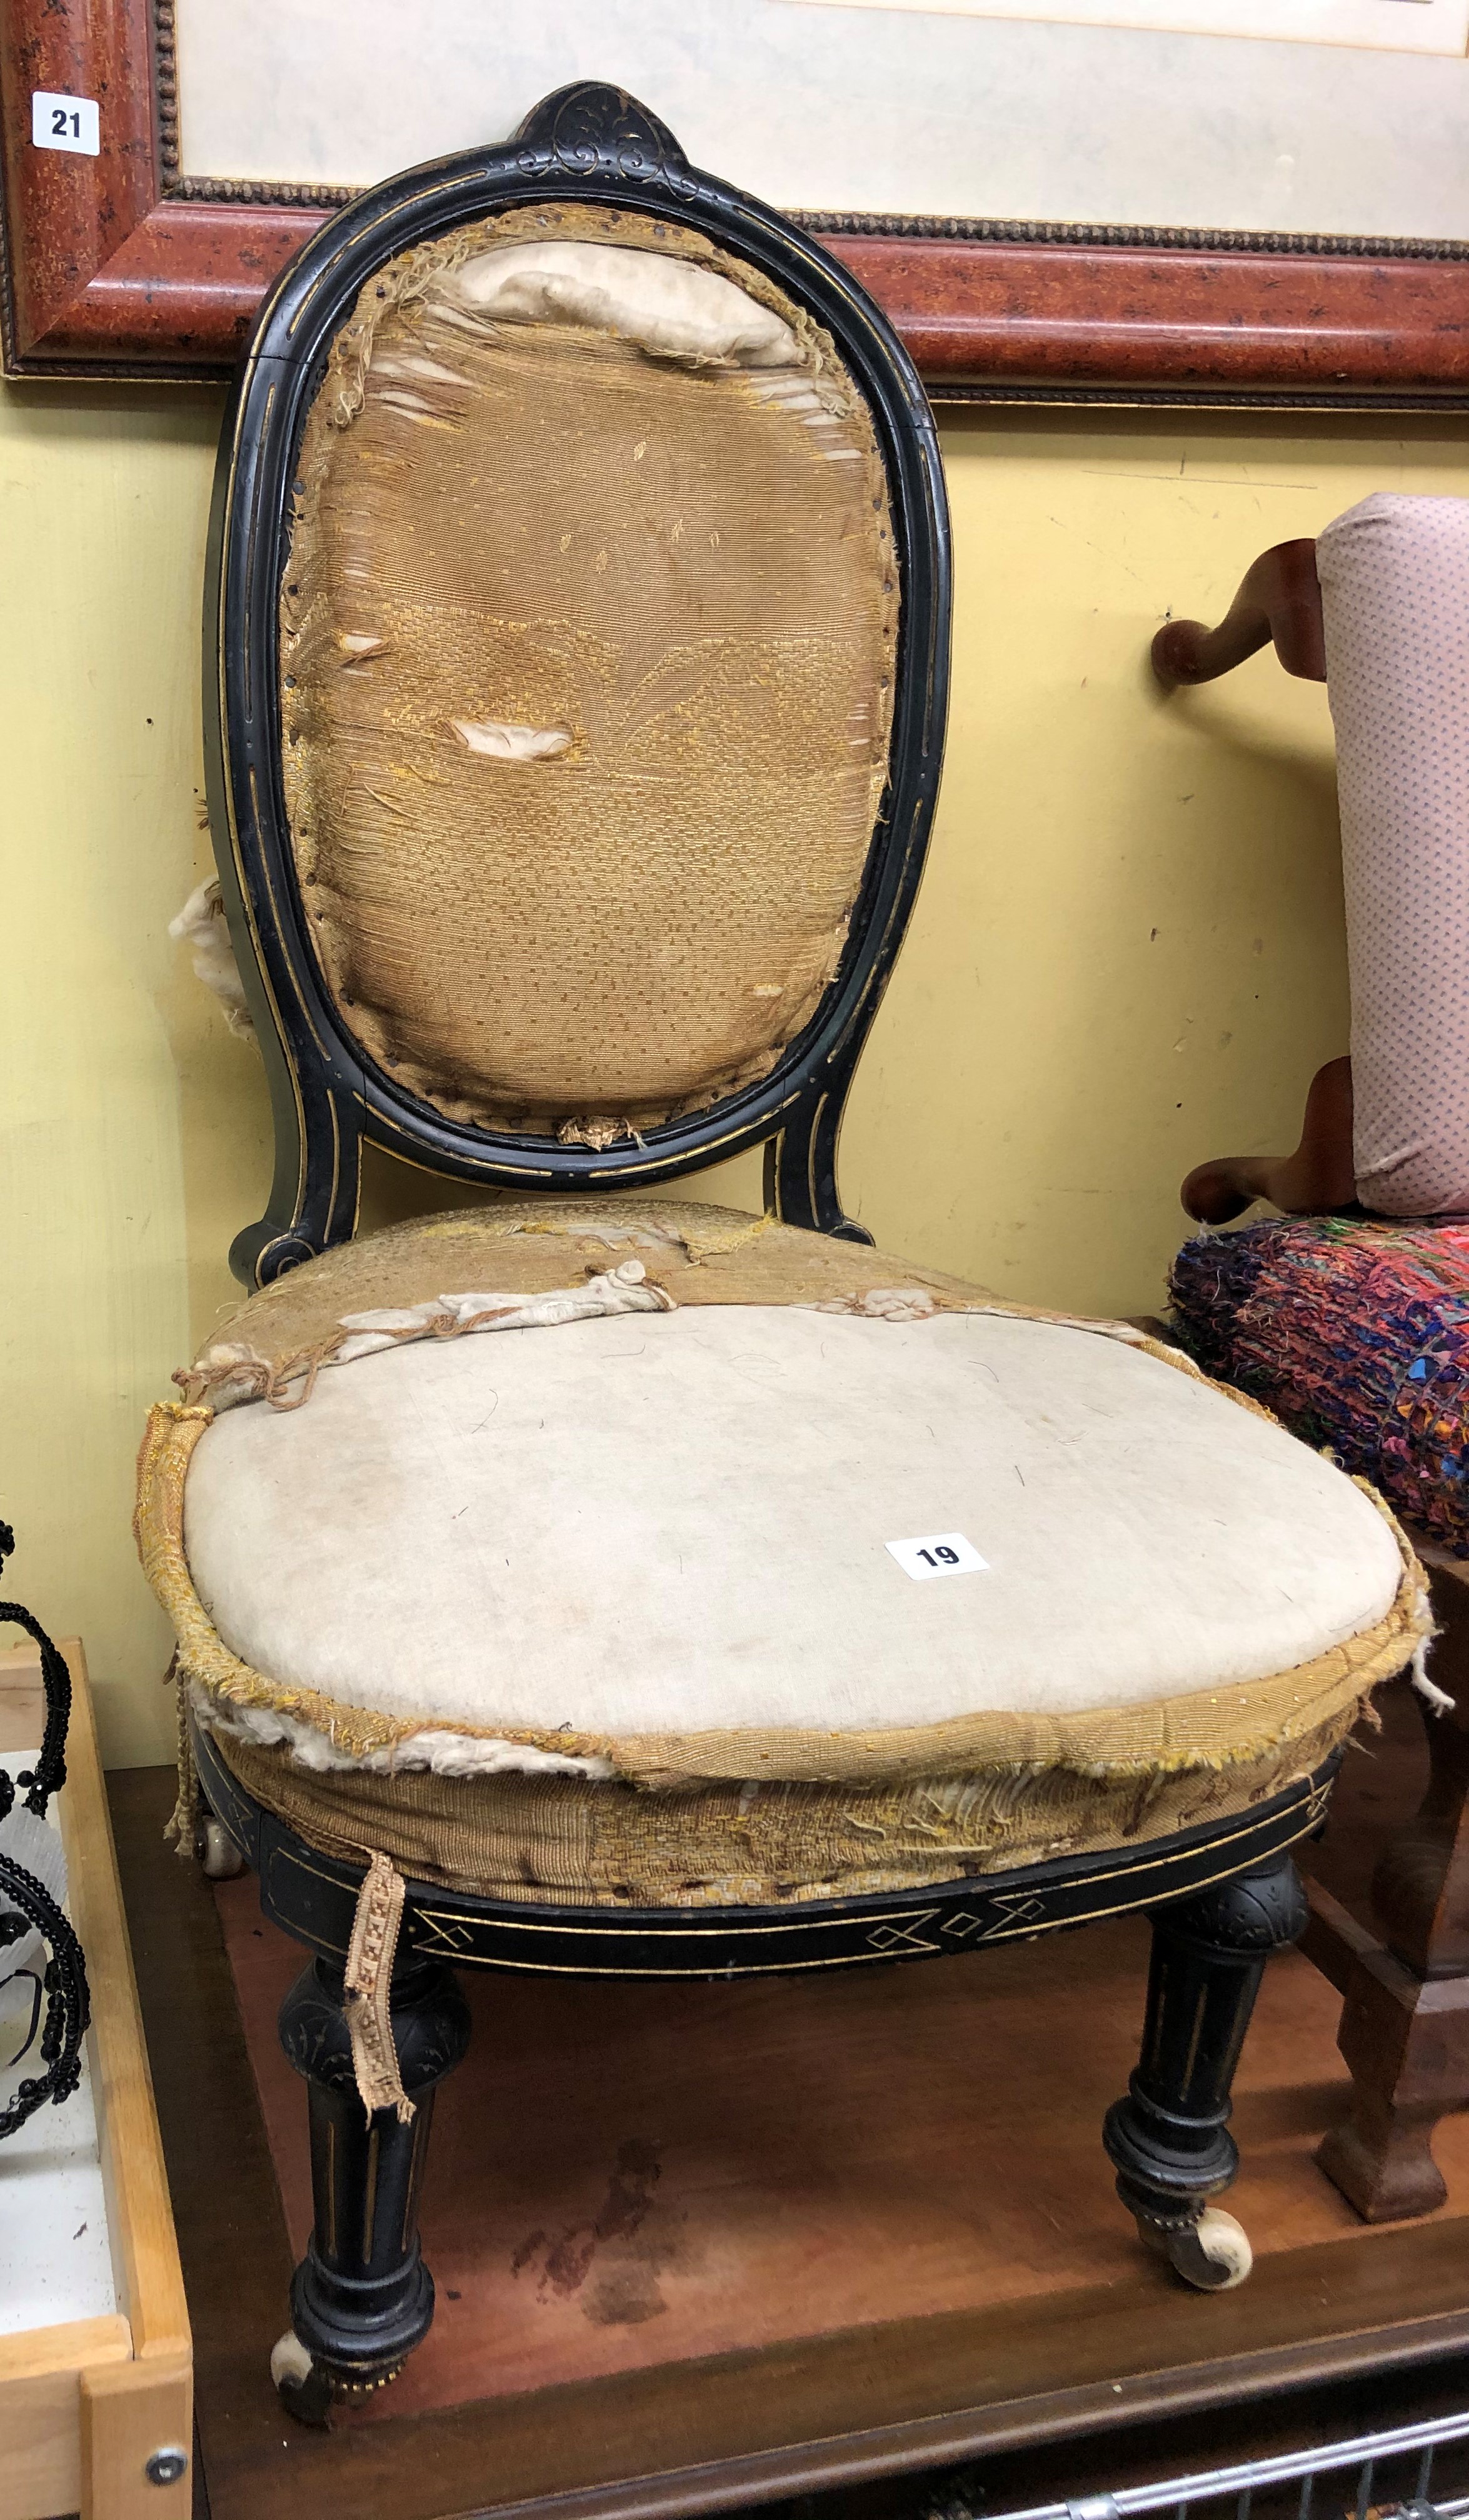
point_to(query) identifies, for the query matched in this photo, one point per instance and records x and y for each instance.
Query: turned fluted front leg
(1170, 2139)
(362, 2298)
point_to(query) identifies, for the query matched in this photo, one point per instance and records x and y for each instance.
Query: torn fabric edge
(435, 1748)
(201, 925)
(233, 1373)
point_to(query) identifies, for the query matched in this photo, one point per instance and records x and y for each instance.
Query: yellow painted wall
(1128, 954)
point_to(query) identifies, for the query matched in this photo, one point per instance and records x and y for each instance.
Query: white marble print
(853, 107)
(54, 2255)
(1384, 25)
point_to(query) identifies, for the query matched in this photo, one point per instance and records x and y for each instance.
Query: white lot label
(65, 122)
(948, 1553)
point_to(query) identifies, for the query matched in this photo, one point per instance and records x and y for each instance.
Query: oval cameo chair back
(580, 597)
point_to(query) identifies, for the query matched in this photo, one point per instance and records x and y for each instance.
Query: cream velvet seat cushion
(649, 1548)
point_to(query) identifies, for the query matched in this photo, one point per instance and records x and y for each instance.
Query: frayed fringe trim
(434, 1752)
(1436, 1698)
(368, 1984)
(182, 1828)
(230, 1373)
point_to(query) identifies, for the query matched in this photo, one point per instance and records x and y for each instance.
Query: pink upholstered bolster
(1395, 587)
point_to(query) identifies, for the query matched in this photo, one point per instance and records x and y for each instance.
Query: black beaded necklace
(27, 1906)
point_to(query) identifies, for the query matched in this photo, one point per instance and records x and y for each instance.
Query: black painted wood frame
(586, 144)
(312, 1897)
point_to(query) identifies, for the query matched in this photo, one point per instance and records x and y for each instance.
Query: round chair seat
(874, 1587)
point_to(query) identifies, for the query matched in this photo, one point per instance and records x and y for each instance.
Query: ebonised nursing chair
(595, 1582)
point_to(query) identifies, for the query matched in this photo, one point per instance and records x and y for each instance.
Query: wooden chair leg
(1168, 2139)
(362, 2298)
(1317, 1180)
(1407, 2041)
(1405, 1986)
(1420, 1887)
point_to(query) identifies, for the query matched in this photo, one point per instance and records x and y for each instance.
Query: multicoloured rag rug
(1356, 1333)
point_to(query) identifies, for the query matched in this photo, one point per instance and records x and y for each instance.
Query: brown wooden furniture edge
(546, 2448)
(943, 2442)
(737, 2428)
(112, 269)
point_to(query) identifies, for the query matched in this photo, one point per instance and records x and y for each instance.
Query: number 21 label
(947, 1554)
(65, 122)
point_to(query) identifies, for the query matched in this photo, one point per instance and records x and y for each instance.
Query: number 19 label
(65, 122)
(948, 1553)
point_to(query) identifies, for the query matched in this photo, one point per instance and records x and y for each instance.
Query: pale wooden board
(145, 2252)
(129, 2412)
(40, 2460)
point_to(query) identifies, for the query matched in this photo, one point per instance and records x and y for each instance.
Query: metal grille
(1366, 2479)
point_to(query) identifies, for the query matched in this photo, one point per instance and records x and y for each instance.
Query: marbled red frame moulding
(113, 267)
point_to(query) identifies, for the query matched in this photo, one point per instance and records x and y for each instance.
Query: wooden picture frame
(117, 266)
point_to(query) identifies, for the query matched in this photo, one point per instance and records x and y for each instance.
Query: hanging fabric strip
(369, 1989)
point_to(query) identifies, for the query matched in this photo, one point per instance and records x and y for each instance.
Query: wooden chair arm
(1317, 1179)
(1280, 598)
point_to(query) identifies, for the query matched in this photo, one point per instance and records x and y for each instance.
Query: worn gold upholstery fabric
(607, 1844)
(1184, 1609)
(529, 1247)
(587, 654)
